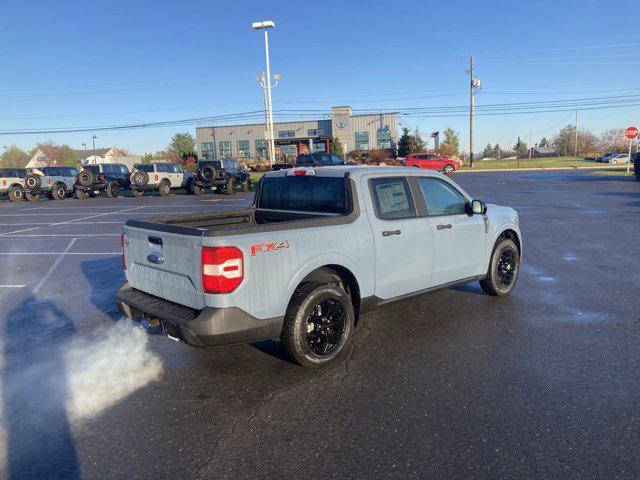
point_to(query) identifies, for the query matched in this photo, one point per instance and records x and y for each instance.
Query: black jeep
(111, 178)
(209, 174)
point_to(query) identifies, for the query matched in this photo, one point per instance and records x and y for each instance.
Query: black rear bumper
(209, 327)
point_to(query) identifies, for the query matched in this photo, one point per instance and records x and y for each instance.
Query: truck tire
(59, 191)
(504, 268)
(85, 178)
(246, 185)
(318, 324)
(164, 188)
(448, 168)
(16, 194)
(32, 197)
(137, 193)
(32, 181)
(113, 189)
(195, 190)
(140, 178)
(80, 195)
(229, 190)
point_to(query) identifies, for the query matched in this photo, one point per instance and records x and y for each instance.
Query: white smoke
(103, 370)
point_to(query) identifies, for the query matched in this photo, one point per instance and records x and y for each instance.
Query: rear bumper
(209, 327)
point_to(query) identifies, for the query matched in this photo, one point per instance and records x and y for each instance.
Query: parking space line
(12, 286)
(69, 221)
(59, 253)
(44, 279)
(79, 235)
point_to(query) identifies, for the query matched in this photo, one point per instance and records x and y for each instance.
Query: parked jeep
(238, 175)
(160, 177)
(12, 183)
(210, 174)
(111, 178)
(55, 182)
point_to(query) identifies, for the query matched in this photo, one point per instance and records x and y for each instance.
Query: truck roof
(354, 171)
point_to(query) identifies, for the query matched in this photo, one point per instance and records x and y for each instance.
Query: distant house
(541, 152)
(87, 157)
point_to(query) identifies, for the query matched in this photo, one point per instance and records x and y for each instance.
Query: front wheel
(229, 188)
(449, 169)
(113, 189)
(504, 268)
(246, 185)
(318, 324)
(59, 192)
(164, 189)
(16, 193)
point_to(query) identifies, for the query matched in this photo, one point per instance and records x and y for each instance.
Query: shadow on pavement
(105, 276)
(35, 392)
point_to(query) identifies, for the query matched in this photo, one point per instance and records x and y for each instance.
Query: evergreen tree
(337, 148)
(452, 140)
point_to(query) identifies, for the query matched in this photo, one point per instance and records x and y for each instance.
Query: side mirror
(478, 207)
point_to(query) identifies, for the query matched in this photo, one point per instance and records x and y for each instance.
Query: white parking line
(58, 253)
(12, 286)
(44, 279)
(79, 235)
(69, 221)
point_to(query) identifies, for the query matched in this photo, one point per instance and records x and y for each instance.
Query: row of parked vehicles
(220, 176)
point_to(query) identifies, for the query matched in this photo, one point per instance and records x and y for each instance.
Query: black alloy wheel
(506, 267)
(325, 327)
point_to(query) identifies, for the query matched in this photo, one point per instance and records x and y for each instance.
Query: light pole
(85, 146)
(262, 82)
(93, 137)
(266, 25)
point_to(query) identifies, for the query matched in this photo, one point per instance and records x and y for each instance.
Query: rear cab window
(313, 194)
(392, 198)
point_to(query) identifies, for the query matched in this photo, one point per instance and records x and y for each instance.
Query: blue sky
(71, 63)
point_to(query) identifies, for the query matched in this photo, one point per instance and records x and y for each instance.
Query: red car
(432, 162)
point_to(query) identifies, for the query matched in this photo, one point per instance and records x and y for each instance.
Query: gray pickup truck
(317, 248)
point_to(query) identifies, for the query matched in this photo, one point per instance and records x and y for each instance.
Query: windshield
(304, 194)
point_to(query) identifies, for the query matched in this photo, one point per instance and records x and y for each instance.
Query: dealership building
(355, 132)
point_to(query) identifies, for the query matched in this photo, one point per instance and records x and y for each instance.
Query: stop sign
(631, 132)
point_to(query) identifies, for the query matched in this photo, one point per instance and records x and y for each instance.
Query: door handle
(388, 233)
(444, 226)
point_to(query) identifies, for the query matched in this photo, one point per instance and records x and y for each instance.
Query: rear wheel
(246, 185)
(137, 193)
(16, 193)
(32, 197)
(318, 324)
(164, 188)
(59, 192)
(504, 268)
(448, 168)
(113, 189)
(80, 195)
(229, 188)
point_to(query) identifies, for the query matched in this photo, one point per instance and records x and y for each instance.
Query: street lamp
(93, 137)
(266, 25)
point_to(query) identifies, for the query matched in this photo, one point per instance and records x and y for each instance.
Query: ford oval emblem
(155, 257)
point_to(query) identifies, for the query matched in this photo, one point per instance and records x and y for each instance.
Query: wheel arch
(511, 234)
(336, 274)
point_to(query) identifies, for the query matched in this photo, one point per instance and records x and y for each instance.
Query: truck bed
(234, 222)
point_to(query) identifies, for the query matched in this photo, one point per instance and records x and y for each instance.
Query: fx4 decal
(268, 247)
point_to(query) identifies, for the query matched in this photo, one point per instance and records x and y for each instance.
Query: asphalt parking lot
(456, 384)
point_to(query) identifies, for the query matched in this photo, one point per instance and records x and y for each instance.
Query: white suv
(160, 177)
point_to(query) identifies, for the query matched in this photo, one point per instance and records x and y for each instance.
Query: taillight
(101, 178)
(124, 261)
(4, 183)
(155, 177)
(222, 269)
(48, 181)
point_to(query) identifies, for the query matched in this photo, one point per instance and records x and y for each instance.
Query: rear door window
(392, 198)
(145, 168)
(441, 198)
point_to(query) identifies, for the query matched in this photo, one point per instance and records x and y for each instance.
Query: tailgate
(164, 264)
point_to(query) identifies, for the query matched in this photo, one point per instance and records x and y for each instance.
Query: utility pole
(575, 154)
(530, 146)
(473, 84)
(93, 137)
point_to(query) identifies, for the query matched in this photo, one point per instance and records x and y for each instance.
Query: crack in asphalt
(363, 332)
